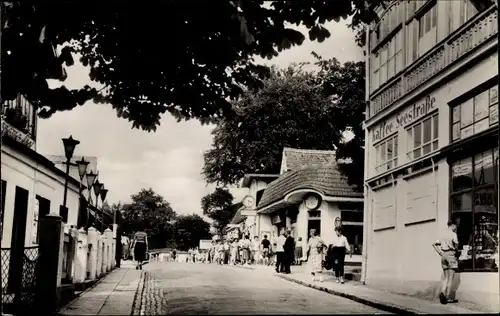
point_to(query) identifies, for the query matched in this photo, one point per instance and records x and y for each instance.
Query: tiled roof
(238, 218)
(326, 179)
(301, 158)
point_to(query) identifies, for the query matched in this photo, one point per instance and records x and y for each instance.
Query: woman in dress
(315, 249)
(140, 245)
(245, 246)
(298, 252)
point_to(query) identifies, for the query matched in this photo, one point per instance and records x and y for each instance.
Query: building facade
(431, 146)
(310, 193)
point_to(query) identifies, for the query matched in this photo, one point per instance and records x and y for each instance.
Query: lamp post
(91, 177)
(97, 190)
(82, 170)
(69, 149)
(103, 194)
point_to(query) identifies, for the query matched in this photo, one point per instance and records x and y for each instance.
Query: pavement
(166, 288)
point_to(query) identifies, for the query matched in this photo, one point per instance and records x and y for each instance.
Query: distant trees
(219, 206)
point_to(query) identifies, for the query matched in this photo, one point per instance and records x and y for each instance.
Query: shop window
(423, 137)
(427, 29)
(386, 154)
(475, 115)
(474, 207)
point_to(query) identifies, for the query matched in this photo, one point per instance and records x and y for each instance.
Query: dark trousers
(280, 261)
(288, 259)
(338, 256)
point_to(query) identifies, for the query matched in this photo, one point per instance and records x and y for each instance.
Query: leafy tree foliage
(189, 58)
(151, 213)
(219, 206)
(295, 108)
(189, 230)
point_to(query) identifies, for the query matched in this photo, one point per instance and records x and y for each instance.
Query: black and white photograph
(233, 157)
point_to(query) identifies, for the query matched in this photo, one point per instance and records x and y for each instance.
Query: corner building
(431, 146)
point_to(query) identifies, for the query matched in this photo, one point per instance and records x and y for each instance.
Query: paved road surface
(189, 288)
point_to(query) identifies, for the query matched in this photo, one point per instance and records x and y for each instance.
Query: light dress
(314, 263)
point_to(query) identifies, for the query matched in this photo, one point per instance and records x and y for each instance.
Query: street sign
(205, 244)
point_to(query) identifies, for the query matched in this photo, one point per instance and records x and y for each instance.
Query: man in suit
(289, 248)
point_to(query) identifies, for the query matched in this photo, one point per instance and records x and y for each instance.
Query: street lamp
(97, 190)
(103, 194)
(82, 170)
(69, 149)
(91, 176)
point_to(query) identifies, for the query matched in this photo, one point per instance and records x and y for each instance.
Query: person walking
(447, 248)
(140, 245)
(339, 250)
(280, 253)
(299, 253)
(226, 251)
(255, 250)
(245, 247)
(315, 250)
(266, 245)
(289, 252)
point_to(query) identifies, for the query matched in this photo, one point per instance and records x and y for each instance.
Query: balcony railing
(19, 119)
(473, 34)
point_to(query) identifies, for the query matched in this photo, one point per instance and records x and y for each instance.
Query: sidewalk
(390, 302)
(113, 295)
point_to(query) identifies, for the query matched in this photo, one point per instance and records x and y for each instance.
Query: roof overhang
(247, 179)
(297, 196)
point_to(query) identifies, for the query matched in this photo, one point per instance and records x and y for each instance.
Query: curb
(137, 303)
(391, 308)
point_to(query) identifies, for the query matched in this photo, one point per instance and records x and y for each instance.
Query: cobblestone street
(187, 288)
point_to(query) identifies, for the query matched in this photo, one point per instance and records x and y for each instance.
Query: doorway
(314, 224)
(18, 237)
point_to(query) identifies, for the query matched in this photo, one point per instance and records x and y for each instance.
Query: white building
(309, 193)
(431, 146)
(32, 185)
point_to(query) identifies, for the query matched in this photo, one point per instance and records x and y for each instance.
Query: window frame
(391, 58)
(386, 164)
(433, 142)
(492, 106)
(474, 188)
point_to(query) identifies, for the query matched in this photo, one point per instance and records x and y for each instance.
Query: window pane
(383, 55)
(493, 114)
(416, 153)
(428, 17)
(467, 113)
(461, 174)
(395, 146)
(421, 26)
(417, 135)
(481, 126)
(427, 126)
(485, 229)
(466, 132)
(399, 61)
(426, 149)
(383, 73)
(389, 150)
(435, 145)
(464, 234)
(390, 68)
(494, 95)
(391, 48)
(456, 131)
(484, 171)
(435, 127)
(456, 114)
(461, 203)
(481, 106)
(378, 156)
(399, 41)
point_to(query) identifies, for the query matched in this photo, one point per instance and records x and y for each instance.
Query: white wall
(19, 170)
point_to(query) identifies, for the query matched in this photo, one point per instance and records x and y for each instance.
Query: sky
(170, 160)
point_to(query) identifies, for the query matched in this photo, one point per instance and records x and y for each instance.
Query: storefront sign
(403, 118)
